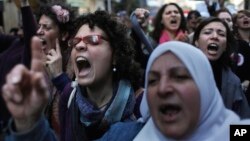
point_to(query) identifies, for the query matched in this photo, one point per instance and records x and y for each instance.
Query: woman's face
(171, 18)
(92, 62)
(227, 18)
(212, 40)
(48, 32)
(243, 21)
(173, 97)
(193, 21)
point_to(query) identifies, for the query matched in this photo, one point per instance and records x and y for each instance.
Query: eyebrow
(173, 69)
(213, 29)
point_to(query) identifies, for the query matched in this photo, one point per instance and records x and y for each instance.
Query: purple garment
(18, 52)
(71, 126)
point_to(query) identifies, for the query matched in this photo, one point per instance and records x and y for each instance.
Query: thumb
(36, 62)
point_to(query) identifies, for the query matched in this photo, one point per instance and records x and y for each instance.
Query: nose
(215, 35)
(173, 13)
(81, 46)
(165, 87)
(40, 31)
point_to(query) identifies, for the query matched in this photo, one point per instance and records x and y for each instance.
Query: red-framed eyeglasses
(89, 39)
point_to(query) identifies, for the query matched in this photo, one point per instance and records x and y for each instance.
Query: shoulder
(231, 77)
(122, 131)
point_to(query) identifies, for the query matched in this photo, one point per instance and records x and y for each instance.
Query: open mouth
(170, 109)
(173, 21)
(213, 47)
(245, 22)
(83, 65)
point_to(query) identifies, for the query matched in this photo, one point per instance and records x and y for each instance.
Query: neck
(171, 34)
(101, 93)
(244, 34)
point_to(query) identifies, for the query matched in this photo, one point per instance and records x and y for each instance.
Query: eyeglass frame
(85, 40)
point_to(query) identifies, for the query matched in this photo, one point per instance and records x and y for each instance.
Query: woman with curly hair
(106, 77)
(54, 23)
(103, 92)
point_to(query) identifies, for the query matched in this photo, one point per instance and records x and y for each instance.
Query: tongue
(212, 52)
(84, 71)
(84, 68)
(170, 115)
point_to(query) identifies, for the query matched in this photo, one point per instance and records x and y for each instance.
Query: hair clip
(61, 14)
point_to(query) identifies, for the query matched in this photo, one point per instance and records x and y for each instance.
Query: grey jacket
(233, 95)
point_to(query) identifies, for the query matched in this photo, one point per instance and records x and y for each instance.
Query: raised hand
(54, 61)
(182, 36)
(25, 91)
(141, 14)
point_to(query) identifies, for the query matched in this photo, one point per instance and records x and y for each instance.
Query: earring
(114, 69)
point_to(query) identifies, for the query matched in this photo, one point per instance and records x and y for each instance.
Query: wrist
(55, 75)
(23, 125)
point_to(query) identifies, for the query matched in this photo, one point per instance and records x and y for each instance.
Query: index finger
(58, 49)
(36, 62)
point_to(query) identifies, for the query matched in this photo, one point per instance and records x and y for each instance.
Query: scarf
(122, 103)
(165, 36)
(214, 118)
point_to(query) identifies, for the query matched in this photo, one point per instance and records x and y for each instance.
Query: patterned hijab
(214, 118)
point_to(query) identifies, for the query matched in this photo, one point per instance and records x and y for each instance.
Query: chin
(84, 82)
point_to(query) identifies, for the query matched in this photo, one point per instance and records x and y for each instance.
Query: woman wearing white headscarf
(214, 119)
(185, 103)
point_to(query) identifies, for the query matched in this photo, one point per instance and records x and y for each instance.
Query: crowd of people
(87, 77)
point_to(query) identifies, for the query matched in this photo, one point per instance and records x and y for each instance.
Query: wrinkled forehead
(86, 30)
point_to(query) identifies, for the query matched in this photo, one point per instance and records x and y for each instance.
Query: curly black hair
(120, 42)
(64, 28)
(46, 9)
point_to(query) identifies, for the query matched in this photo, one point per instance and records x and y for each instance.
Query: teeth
(81, 59)
(214, 45)
(173, 21)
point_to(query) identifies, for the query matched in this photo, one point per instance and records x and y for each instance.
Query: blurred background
(10, 14)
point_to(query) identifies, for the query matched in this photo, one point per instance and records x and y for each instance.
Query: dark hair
(193, 12)
(120, 42)
(221, 11)
(64, 28)
(235, 26)
(231, 46)
(158, 26)
(46, 9)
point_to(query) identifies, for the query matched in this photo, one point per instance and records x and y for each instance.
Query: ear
(65, 36)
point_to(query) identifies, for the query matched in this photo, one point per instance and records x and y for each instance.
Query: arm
(26, 96)
(29, 30)
(211, 7)
(39, 132)
(61, 81)
(6, 41)
(240, 105)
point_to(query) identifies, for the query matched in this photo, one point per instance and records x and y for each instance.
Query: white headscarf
(215, 119)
